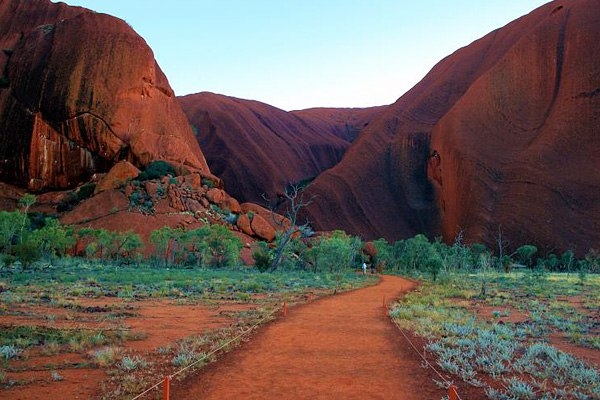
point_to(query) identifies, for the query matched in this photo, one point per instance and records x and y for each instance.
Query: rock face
(259, 149)
(345, 123)
(501, 135)
(80, 91)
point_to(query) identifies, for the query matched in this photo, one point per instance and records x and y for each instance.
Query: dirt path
(340, 347)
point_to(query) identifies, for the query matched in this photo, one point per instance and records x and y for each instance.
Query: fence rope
(247, 330)
(427, 363)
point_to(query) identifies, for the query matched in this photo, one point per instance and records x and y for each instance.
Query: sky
(296, 54)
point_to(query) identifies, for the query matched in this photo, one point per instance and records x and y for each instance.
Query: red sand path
(339, 347)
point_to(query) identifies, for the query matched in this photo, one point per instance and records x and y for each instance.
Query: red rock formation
(259, 149)
(345, 123)
(81, 91)
(262, 228)
(501, 134)
(118, 176)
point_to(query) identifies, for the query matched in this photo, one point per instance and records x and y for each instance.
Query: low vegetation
(509, 333)
(526, 300)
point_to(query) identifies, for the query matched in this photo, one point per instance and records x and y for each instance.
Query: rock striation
(80, 91)
(502, 135)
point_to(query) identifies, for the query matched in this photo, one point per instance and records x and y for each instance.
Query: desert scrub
(510, 360)
(106, 356)
(143, 280)
(129, 364)
(9, 352)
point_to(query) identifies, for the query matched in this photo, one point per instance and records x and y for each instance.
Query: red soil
(339, 347)
(162, 323)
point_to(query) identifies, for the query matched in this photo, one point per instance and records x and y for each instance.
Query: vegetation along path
(339, 347)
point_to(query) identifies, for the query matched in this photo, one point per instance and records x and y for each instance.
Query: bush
(262, 257)
(72, 199)
(208, 183)
(157, 170)
(86, 191)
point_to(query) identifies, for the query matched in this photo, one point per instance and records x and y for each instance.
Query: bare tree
(502, 246)
(294, 201)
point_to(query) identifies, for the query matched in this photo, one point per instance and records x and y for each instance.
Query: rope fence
(452, 389)
(166, 382)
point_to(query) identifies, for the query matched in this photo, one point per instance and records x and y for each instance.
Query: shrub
(262, 257)
(86, 191)
(3, 82)
(72, 199)
(129, 364)
(9, 352)
(106, 356)
(157, 170)
(208, 183)
(526, 253)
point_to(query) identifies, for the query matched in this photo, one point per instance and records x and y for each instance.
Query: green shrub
(208, 183)
(86, 191)
(157, 170)
(262, 257)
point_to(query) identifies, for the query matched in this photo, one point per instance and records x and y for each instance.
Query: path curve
(339, 347)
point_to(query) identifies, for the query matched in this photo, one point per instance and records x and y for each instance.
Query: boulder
(262, 228)
(223, 200)
(244, 224)
(118, 176)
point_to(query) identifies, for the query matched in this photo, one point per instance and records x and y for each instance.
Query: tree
(336, 252)
(295, 201)
(222, 247)
(25, 202)
(165, 239)
(502, 245)
(567, 259)
(433, 263)
(526, 253)
(124, 245)
(52, 239)
(416, 250)
(10, 229)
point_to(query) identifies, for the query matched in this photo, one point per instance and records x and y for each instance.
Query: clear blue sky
(296, 54)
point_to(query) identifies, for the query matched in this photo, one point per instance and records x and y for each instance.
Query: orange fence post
(166, 388)
(285, 309)
(452, 393)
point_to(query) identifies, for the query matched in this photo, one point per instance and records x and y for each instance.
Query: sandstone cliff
(79, 92)
(502, 134)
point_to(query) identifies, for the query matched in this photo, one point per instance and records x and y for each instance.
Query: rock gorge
(500, 136)
(257, 149)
